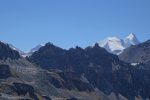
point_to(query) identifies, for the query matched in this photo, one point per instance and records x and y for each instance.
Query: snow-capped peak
(116, 45)
(131, 36)
(112, 44)
(131, 39)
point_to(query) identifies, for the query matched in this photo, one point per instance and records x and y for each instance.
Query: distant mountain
(112, 44)
(116, 46)
(36, 48)
(131, 40)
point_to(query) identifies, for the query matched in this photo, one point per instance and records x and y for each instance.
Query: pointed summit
(131, 36)
(116, 45)
(131, 39)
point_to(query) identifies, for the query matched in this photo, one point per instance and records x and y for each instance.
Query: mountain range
(116, 46)
(113, 45)
(93, 73)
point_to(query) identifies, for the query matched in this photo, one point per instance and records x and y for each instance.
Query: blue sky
(67, 23)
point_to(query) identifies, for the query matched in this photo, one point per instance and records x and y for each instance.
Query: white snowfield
(112, 44)
(116, 46)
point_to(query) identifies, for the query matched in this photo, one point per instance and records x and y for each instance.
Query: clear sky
(67, 23)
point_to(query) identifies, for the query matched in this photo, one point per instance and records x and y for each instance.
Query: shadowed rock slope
(22, 80)
(75, 74)
(137, 53)
(100, 69)
(7, 52)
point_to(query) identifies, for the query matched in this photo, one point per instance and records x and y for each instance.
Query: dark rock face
(18, 90)
(4, 71)
(47, 55)
(101, 69)
(139, 74)
(137, 54)
(74, 81)
(7, 52)
(23, 89)
(129, 82)
(69, 80)
(78, 59)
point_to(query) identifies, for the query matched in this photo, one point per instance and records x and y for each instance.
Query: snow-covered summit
(116, 45)
(131, 39)
(112, 44)
(131, 36)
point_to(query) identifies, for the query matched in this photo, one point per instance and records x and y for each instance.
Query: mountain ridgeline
(51, 56)
(101, 69)
(53, 73)
(7, 52)
(116, 46)
(137, 53)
